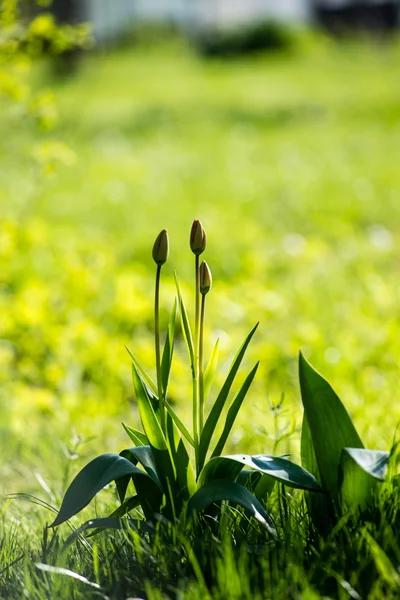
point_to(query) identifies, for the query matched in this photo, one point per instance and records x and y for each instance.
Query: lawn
(291, 161)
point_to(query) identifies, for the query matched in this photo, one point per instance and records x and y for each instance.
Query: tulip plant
(177, 473)
(352, 476)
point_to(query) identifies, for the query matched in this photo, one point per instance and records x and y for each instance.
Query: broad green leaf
(281, 469)
(179, 423)
(185, 483)
(264, 487)
(249, 479)
(219, 403)
(96, 475)
(260, 485)
(330, 425)
(145, 377)
(149, 490)
(319, 506)
(136, 436)
(150, 423)
(361, 470)
(233, 411)
(129, 504)
(210, 370)
(230, 491)
(144, 456)
(187, 333)
(168, 351)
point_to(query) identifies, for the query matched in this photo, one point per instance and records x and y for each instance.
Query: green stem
(201, 362)
(196, 361)
(157, 345)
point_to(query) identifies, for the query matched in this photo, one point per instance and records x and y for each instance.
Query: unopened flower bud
(205, 278)
(161, 248)
(198, 238)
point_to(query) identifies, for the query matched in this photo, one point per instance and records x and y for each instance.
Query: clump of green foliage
(167, 482)
(332, 450)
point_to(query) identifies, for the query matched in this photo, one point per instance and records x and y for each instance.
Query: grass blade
(219, 403)
(233, 411)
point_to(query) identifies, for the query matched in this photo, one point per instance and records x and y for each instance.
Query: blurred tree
(27, 32)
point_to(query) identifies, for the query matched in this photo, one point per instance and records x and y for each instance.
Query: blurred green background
(291, 161)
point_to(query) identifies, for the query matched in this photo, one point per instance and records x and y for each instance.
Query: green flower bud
(161, 248)
(205, 278)
(198, 238)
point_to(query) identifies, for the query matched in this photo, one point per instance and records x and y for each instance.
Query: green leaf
(96, 475)
(281, 469)
(185, 483)
(150, 491)
(150, 423)
(264, 487)
(144, 456)
(168, 351)
(210, 370)
(233, 411)
(187, 333)
(145, 377)
(219, 403)
(99, 525)
(319, 505)
(230, 491)
(330, 425)
(179, 423)
(361, 470)
(260, 485)
(136, 436)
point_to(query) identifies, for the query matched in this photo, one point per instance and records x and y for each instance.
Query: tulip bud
(205, 278)
(161, 248)
(198, 238)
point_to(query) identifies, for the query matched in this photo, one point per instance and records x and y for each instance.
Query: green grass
(291, 162)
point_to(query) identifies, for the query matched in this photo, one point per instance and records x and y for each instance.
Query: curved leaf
(143, 455)
(233, 411)
(361, 470)
(218, 491)
(330, 425)
(320, 506)
(149, 490)
(145, 377)
(281, 469)
(96, 475)
(219, 403)
(151, 424)
(137, 437)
